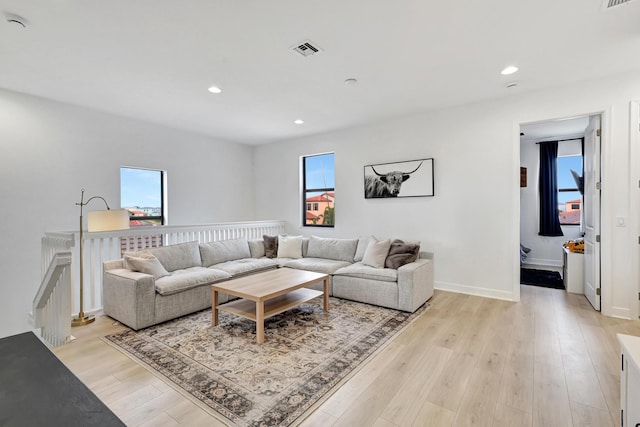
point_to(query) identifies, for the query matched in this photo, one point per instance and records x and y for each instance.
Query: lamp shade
(109, 220)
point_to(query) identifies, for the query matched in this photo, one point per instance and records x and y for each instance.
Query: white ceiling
(554, 129)
(154, 59)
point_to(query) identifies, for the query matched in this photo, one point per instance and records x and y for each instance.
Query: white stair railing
(52, 303)
(104, 246)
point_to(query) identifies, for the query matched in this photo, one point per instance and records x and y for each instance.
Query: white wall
(49, 151)
(545, 250)
(473, 223)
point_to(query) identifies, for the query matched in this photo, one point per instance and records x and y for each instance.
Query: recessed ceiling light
(350, 82)
(509, 70)
(511, 85)
(215, 89)
(298, 121)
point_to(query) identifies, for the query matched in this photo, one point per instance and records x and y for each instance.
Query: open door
(591, 208)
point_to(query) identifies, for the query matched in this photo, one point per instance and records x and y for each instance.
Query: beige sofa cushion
(318, 265)
(246, 266)
(181, 280)
(338, 249)
(224, 250)
(177, 257)
(362, 271)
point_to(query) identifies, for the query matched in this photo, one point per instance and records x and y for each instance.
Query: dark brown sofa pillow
(270, 246)
(401, 253)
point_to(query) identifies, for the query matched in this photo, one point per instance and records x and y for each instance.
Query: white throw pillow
(376, 252)
(148, 264)
(289, 246)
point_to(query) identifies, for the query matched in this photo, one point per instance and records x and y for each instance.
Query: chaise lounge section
(159, 284)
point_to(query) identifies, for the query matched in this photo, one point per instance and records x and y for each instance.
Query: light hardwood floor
(549, 360)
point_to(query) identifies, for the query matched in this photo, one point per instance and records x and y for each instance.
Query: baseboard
(472, 290)
(619, 312)
(543, 262)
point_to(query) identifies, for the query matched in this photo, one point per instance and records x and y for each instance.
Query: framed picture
(412, 178)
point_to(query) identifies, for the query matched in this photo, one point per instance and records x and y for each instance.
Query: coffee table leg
(214, 308)
(259, 322)
(326, 294)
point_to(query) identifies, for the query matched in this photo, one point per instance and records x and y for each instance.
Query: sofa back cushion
(225, 250)
(177, 257)
(338, 249)
(363, 243)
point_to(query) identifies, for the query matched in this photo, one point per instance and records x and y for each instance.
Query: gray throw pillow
(270, 246)
(148, 264)
(401, 253)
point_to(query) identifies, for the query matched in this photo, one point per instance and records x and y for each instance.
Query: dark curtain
(549, 219)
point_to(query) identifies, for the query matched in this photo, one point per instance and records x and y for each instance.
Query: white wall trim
(634, 200)
(543, 262)
(621, 312)
(473, 290)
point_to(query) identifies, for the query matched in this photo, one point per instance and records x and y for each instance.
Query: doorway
(573, 255)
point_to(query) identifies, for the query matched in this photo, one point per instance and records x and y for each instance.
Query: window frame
(163, 188)
(305, 190)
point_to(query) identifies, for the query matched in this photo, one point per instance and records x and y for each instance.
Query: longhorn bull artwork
(387, 179)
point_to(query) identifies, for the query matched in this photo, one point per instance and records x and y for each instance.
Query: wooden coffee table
(266, 294)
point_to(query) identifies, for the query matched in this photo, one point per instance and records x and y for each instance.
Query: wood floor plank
(508, 416)
(319, 419)
(479, 402)
(405, 405)
(550, 398)
(549, 360)
(587, 416)
(431, 415)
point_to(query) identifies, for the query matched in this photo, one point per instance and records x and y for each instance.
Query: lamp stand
(82, 320)
(108, 220)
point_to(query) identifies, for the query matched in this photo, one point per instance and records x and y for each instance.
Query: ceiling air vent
(607, 4)
(307, 48)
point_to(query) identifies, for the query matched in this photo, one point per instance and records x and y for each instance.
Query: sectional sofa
(159, 284)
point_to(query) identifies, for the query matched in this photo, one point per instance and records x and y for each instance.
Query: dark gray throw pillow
(270, 246)
(401, 253)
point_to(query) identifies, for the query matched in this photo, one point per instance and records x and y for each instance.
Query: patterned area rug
(307, 353)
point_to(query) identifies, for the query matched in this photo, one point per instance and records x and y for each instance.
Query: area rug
(543, 278)
(306, 355)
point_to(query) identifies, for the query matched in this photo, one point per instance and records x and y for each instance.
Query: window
(142, 194)
(318, 184)
(569, 197)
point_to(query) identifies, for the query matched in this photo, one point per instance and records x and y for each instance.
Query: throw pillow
(148, 264)
(270, 246)
(289, 246)
(401, 253)
(376, 252)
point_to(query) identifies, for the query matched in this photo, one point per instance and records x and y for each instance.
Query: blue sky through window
(140, 187)
(565, 179)
(320, 171)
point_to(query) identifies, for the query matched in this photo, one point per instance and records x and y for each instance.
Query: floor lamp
(109, 220)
